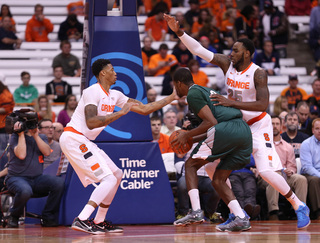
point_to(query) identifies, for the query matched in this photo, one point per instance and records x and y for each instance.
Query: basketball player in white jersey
(93, 113)
(247, 88)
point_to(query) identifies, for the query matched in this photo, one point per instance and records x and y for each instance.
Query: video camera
(27, 118)
(195, 121)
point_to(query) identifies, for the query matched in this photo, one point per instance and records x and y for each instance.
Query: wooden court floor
(262, 231)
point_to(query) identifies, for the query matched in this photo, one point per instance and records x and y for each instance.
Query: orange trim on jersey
(269, 157)
(95, 167)
(103, 89)
(246, 68)
(257, 118)
(71, 129)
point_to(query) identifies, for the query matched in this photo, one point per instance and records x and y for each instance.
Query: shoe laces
(108, 224)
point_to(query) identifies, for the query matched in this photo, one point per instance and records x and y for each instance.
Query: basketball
(183, 149)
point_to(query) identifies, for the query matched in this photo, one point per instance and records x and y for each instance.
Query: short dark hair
(248, 44)
(42, 121)
(163, 46)
(155, 118)
(291, 113)
(183, 75)
(98, 65)
(24, 73)
(64, 42)
(274, 116)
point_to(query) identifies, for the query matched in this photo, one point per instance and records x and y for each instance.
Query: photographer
(25, 178)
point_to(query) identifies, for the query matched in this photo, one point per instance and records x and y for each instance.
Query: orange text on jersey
(237, 84)
(107, 108)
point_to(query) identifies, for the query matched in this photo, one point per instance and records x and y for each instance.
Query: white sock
(194, 199)
(295, 201)
(234, 207)
(101, 214)
(106, 185)
(86, 212)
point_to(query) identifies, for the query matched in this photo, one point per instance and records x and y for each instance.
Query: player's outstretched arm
(146, 109)
(94, 121)
(262, 95)
(195, 47)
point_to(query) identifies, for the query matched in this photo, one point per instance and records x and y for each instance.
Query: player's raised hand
(172, 22)
(127, 107)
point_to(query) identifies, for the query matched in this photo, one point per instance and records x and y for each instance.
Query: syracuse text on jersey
(140, 177)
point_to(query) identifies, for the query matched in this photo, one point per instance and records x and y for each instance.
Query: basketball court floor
(262, 231)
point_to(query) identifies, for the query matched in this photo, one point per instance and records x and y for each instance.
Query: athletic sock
(86, 212)
(194, 198)
(295, 201)
(101, 214)
(234, 207)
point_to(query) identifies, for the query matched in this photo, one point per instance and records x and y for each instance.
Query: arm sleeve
(196, 48)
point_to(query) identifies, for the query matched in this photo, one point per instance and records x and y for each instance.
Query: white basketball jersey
(240, 87)
(105, 102)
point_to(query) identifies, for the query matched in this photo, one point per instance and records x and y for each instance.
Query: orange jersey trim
(257, 118)
(246, 68)
(103, 89)
(71, 129)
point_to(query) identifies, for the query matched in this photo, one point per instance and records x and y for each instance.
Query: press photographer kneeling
(25, 167)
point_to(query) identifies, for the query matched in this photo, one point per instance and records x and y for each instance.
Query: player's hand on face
(221, 100)
(127, 107)
(174, 92)
(172, 23)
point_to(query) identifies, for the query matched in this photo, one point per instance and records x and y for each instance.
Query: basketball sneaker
(193, 217)
(87, 226)
(303, 216)
(238, 224)
(232, 217)
(107, 226)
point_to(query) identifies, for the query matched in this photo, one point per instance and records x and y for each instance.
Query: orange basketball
(184, 148)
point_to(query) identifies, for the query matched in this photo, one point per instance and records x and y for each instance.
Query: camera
(27, 118)
(194, 120)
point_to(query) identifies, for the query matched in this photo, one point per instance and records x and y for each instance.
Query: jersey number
(236, 96)
(266, 136)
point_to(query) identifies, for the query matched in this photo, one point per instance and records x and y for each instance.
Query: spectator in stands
(310, 167)
(147, 47)
(155, 26)
(8, 39)
(6, 104)
(160, 138)
(58, 130)
(76, 8)
(314, 17)
(5, 11)
(280, 105)
(161, 62)
(314, 112)
(315, 91)
(292, 135)
(151, 97)
(244, 187)
(68, 110)
(268, 59)
(199, 77)
(149, 5)
(57, 90)
(297, 7)
(70, 29)
(181, 109)
(274, 25)
(43, 108)
(45, 127)
(26, 93)
(69, 62)
(297, 182)
(245, 22)
(205, 42)
(25, 177)
(170, 121)
(293, 92)
(228, 21)
(305, 124)
(167, 82)
(204, 17)
(182, 54)
(282, 116)
(38, 27)
(183, 25)
(193, 13)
